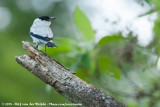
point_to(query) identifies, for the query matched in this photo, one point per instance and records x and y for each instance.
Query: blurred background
(114, 45)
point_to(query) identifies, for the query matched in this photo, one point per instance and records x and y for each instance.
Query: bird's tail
(51, 44)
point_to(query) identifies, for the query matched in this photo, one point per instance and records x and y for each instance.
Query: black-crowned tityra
(41, 32)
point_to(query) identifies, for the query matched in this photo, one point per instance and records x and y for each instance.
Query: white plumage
(41, 32)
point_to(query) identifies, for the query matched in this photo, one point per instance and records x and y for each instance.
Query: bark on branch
(63, 81)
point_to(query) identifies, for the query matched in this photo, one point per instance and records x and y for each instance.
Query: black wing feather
(40, 37)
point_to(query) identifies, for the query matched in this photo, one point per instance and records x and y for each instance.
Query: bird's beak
(52, 18)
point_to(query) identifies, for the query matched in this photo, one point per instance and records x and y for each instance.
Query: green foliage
(150, 12)
(148, 1)
(132, 104)
(64, 45)
(156, 2)
(108, 39)
(108, 66)
(156, 30)
(113, 63)
(157, 27)
(84, 25)
(83, 55)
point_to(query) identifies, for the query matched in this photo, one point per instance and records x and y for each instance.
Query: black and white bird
(41, 32)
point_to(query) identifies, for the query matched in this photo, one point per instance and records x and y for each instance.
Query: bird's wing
(49, 32)
(44, 32)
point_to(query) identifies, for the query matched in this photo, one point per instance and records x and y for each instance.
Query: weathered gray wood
(63, 81)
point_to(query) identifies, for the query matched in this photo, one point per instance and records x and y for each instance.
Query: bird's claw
(37, 47)
(73, 73)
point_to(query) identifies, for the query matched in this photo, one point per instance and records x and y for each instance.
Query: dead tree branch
(63, 81)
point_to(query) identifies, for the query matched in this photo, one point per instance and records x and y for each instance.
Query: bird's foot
(37, 47)
(73, 73)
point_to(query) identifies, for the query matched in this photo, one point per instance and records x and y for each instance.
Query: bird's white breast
(43, 31)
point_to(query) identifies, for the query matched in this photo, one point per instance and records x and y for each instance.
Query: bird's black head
(47, 18)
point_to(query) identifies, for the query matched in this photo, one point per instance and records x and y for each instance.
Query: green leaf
(107, 66)
(148, 1)
(157, 31)
(156, 2)
(88, 62)
(84, 61)
(108, 39)
(132, 103)
(66, 41)
(158, 50)
(83, 25)
(64, 45)
(80, 72)
(149, 12)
